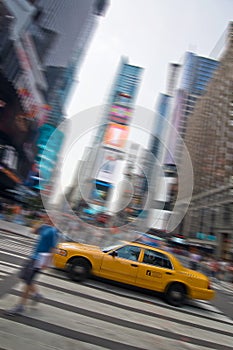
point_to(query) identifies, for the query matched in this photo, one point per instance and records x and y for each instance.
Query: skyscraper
(42, 46)
(62, 31)
(115, 129)
(196, 72)
(159, 177)
(110, 139)
(209, 141)
(185, 85)
(121, 98)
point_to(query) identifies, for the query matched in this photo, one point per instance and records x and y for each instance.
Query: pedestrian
(223, 267)
(214, 268)
(40, 259)
(195, 258)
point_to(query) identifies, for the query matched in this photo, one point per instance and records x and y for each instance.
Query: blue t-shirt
(48, 239)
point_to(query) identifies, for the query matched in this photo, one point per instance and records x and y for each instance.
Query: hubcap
(176, 295)
(79, 269)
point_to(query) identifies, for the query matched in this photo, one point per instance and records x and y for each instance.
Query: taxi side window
(129, 252)
(157, 259)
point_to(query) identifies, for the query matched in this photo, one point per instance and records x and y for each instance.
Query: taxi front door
(122, 268)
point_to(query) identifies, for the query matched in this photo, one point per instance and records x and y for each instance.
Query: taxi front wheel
(175, 294)
(79, 269)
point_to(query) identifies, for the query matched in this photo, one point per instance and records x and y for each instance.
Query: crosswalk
(15, 244)
(97, 316)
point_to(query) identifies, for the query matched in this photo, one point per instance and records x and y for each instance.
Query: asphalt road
(223, 299)
(99, 315)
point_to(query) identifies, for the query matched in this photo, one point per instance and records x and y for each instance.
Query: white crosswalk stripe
(15, 247)
(98, 316)
(7, 269)
(75, 310)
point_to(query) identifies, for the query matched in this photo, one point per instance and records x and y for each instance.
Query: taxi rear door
(155, 271)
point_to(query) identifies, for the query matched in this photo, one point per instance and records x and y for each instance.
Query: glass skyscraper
(196, 73)
(111, 137)
(123, 95)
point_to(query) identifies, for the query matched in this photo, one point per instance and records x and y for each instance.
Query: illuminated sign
(107, 167)
(120, 114)
(116, 135)
(123, 94)
(100, 191)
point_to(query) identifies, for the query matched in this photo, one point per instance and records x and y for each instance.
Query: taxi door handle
(134, 265)
(168, 273)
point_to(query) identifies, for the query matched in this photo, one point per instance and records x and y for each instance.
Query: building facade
(209, 219)
(195, 74)
(42, 47)
(106, 168)
(160, 178)
(186, 83)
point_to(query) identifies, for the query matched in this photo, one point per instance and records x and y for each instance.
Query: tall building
(195, 74)
(160, 177)
(61, 32)
(121, 98)
(209, 219)
(185, 85)
(157, 141)
(41, 50)
(107, 167)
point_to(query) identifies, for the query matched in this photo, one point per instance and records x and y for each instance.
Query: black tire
(175, 294)
(79, 269)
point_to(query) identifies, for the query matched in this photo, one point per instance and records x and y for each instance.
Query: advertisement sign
(116, 135)
(120, 114)
(100, 191)
(106, 168)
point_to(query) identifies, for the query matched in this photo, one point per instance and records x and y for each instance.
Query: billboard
(116, 135)
(121, 115)
(100, 191)
(107, 166)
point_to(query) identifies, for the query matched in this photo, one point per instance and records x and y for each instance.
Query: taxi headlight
(61, 252)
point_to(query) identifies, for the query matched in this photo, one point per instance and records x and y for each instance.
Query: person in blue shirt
(40, 259)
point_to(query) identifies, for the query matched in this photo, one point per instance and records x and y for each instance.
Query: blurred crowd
(16, 213)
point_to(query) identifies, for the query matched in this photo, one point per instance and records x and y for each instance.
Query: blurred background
(163, 167)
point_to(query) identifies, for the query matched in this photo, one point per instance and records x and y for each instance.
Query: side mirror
(113, 254)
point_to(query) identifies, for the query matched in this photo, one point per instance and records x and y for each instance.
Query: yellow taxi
(136, 264)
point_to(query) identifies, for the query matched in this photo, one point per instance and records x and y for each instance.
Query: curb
(13, 228)
(29, 235)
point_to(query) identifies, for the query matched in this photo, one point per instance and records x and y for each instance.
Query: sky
(151, 34)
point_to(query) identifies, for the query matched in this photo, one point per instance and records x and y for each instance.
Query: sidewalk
(18, 229)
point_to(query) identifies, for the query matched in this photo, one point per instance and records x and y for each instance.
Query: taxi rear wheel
(175, 294)
(79, 270)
